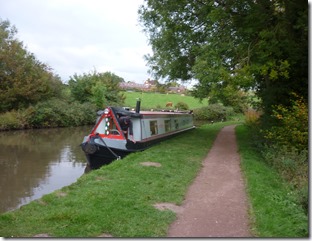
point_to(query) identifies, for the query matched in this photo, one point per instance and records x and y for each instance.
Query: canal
(37, 162)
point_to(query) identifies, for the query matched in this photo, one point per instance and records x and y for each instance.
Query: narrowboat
(119, 132)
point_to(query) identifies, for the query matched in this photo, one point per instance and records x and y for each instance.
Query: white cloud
(76, 36)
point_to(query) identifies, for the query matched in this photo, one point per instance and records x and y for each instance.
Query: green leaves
(240, 45)
(101, 89)
(24, 79)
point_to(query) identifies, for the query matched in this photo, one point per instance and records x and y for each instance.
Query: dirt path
(216, 203)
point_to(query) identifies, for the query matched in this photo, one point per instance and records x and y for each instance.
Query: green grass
(155, 100)
(118, 199)
(275, 211)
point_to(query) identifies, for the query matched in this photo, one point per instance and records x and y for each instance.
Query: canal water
(37, 162)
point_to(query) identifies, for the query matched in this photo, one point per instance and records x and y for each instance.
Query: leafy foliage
(214, 112)
(284, 146)
(60, 113)
(252, 118)
(292, 128)
(24, 79)
(231, 44)
(182, 106)
(101, 89)
(51, 113)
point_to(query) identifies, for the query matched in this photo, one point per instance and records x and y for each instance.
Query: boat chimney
(138, 105)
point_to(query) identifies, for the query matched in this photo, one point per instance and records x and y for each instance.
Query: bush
(16, 119)
(181, 106)
(286, 145)
(214, 112)
(9, 120)
(51, 113)
(59, 113)
(252, 117)
(291, 163)
(291, 128)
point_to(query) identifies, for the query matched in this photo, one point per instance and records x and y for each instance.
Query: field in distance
(159, 101)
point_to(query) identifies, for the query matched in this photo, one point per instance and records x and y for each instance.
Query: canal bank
(118, 199)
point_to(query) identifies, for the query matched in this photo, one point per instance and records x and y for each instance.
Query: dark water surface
(38, 162)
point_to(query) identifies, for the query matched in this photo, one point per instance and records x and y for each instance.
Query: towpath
(216, 204)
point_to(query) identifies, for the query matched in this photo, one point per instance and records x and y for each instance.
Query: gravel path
(216, 204)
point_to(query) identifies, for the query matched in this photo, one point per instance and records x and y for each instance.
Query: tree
(24, 79)
(101, 89)
(241, 44)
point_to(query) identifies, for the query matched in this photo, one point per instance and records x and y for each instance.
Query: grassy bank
(118, 199)
(276, 210)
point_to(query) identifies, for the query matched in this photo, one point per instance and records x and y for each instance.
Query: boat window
(153, 127)
(167, 125)
(176, 124)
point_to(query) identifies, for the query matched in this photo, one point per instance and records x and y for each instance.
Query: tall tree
(237, 44)
(24, 80)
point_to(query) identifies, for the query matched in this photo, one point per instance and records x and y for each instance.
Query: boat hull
(98, 153)
(103, 156)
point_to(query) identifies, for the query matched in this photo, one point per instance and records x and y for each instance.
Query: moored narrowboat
(119, 132)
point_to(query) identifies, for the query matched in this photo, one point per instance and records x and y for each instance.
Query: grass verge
(118, 199)
(275, 210)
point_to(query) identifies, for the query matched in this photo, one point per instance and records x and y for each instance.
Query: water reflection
(37, 162)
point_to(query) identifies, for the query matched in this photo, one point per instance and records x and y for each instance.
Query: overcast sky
(78, 36)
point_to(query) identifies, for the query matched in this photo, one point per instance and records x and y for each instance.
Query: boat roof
(164, 112)
(123, 112)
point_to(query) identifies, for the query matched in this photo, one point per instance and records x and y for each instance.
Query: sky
(79, 36)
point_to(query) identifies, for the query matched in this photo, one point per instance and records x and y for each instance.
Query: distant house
(179, 89)
(133, 86)
(150, 85)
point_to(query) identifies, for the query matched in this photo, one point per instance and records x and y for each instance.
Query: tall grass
(275, 208)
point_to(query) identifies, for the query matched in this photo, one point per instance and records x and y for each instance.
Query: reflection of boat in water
(108, 141)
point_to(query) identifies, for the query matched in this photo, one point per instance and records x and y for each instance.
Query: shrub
(291, 163)
(60, 113)
(252, 117)
(51, 113)
(9, 120)
(16, 119)
(286, 146)
(214, 112)
(181, 106)
(291, 128)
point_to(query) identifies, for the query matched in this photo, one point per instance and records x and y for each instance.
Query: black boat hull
(99, 155)
(103, 156)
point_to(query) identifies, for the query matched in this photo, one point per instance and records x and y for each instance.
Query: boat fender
(89, 147)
